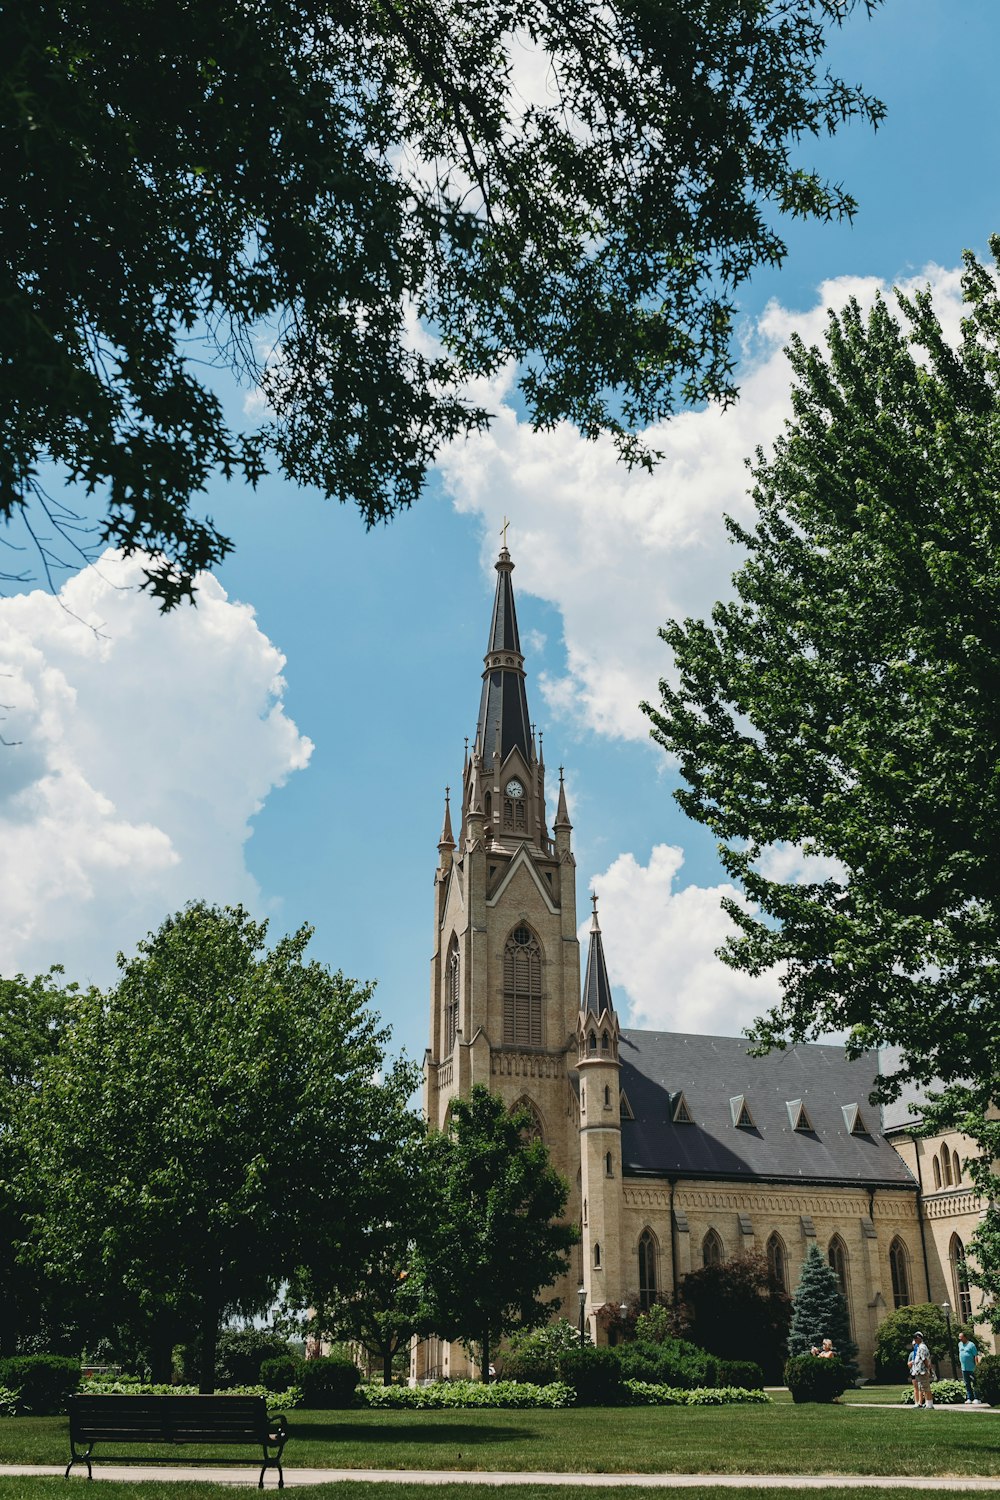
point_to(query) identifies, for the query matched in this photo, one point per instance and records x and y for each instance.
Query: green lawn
(782, 1439)
(51, 1489)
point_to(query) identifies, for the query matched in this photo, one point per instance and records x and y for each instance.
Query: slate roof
(596, 985)
(504, 699)
(711, 1072)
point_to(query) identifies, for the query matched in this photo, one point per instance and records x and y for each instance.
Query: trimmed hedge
(328, 1383)
(283, 1371)
(741, 1374)
(277, 1401)
(810, 1378)
(514, 1394)
(987, 1378)
(641, 1394)
(43, 1383)
(672, 1362)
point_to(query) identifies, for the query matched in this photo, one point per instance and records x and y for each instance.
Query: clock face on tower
(514, 789)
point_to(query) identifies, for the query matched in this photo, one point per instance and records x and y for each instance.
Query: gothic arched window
(533, 1131)
(597, 1255)
(647, 1270)
(513, 814)
(937, 1171)
(956, 1168)
(522, 989)
(960, 1278)
(899, 1270)
(452, 993)
(837, 1257)
(609, 1166)
(712, 1253)
(946, 1166)
(777, 1260)
(607, 1096)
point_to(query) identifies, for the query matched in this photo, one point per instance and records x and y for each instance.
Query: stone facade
(506, 1011)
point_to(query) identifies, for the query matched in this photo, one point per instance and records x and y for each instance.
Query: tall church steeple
(504, 701)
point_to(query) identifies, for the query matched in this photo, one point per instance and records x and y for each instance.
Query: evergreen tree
(819, 1311)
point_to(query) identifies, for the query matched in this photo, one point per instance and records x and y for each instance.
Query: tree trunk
(387, 1352)
(161, 1352)
(486, 1356)
(209, 1343)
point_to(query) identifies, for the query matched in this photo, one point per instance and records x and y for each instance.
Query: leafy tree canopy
(894, 1337)
(498, 1241)
(737, 1310)
(311, 180)
(844, 704)
(204, 1128)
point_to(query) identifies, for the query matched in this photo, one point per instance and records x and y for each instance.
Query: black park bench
(174, 1419)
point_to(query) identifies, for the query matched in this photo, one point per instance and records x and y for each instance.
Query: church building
(679, 1150)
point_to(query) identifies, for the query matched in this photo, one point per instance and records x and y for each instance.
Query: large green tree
(499, 1238)
(33, 1014)
(844, 704)
(367, 1294)
(206, 1128)
(309, 179)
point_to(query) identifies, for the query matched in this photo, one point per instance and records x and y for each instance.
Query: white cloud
(146, 745)
(620, 553)
(660, 947)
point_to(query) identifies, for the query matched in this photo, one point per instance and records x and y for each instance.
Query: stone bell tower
(505, 971)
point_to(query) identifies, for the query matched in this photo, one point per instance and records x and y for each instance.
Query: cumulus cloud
(660, 948)
(144, 746)
(619, 553)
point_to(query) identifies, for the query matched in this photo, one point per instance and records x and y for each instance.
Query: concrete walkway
(238, 1476)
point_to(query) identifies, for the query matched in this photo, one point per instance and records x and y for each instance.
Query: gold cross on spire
(503, 531)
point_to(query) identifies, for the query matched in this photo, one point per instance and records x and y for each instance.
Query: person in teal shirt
(968, 1355)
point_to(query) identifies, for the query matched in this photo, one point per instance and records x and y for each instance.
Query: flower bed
(517, 1394)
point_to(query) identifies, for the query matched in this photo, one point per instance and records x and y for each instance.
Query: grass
(780, 1439)
(51, 1489)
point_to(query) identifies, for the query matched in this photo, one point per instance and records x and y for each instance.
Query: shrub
(741, 1374)
(943, 1392)
(43, 1382)
(459, 1393)
(894, 1338)
(240, 1353)
(987, 1378)
(596, 1376)
(810, 1378)
(535, 1356)
(277, 1401)
(639, 1393)
(279, 1373)
(671, 1362)
(329, 1382)
(735, 1306)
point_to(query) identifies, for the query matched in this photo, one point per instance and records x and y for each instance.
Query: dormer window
(799, 1117)
(740, 1111)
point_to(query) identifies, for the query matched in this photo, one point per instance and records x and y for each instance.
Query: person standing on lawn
(918, 1399)
(921, 1367)
(968, 1358)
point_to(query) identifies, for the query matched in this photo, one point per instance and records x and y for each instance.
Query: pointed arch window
(522, 989)
(605, 1042)
(609, 1166)
(533, 1130)
(960, 1278)
(836, 1256)
(597, 1255)
(607, 1096)
(956, 1168)
(647, 1270)
(513, 814)
(712, 1253)
(899, 1270)
(452, 996)
(777, 1260)
(937, 1172)
(946, 1166)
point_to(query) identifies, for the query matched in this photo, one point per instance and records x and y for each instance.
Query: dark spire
(562, 811)
(504, 701)
(447, 839)
(596, 986)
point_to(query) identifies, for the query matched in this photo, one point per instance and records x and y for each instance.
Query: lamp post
(946, 1309)
(623, 1315)
(581, 1292)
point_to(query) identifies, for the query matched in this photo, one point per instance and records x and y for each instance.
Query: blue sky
(160, 761)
